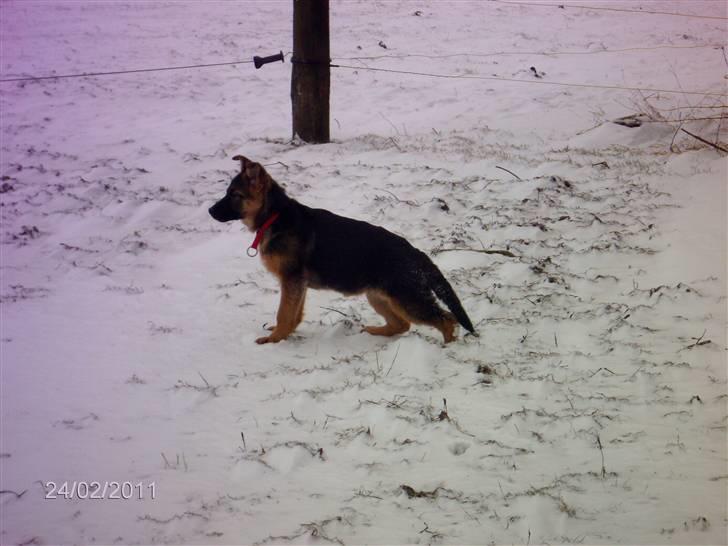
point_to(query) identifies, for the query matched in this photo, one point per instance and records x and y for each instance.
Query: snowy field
(591, 409)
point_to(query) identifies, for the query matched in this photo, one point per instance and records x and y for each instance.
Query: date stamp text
(100, 490)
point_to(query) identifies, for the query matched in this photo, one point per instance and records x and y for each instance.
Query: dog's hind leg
(421, 307)
(395, 321)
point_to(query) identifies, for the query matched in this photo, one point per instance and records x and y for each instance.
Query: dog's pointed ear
(244, 162)
(260, 180)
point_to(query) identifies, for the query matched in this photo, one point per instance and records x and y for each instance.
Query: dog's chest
(275, 263)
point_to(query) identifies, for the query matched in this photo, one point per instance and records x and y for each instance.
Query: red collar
(259, 234)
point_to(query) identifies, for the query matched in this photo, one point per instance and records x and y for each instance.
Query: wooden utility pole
(310, 76)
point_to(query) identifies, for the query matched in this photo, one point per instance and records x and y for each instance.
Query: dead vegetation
(704, 121)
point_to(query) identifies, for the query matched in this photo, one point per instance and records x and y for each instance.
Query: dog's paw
(269, 339)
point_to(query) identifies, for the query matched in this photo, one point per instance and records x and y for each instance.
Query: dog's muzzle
(223, 212)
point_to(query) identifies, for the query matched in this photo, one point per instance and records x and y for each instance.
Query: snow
(129, 316)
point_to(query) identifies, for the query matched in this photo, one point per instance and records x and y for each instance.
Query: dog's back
(351, 255)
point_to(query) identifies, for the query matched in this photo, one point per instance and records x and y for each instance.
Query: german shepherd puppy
(315, 248)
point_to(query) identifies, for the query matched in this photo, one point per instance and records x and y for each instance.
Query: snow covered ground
(591, 409)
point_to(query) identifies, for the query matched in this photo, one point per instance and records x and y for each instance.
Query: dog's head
(245, 194)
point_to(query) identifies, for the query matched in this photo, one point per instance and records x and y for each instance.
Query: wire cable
(116, 72)
(542, 82)
(542, 53)
(566, 5)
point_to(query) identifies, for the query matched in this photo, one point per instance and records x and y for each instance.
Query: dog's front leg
(290, 310)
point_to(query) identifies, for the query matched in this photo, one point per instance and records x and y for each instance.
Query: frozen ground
(592, 409)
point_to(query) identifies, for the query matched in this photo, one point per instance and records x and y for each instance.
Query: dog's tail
(442, 289)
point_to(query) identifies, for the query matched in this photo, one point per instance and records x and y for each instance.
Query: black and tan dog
(315, 248)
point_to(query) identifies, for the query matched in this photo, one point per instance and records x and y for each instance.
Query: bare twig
(276, 163)
(718, 129)
(590, 129)
(712, 106)
(435, 534)
(714, 145)
(367, 494)
(405, 201)
(393, 360)
(482, 251)
(682, 120)
(509, 172)
(674, 135)
(10, 492)
(336, 311)
(601, 450)
(501, 490)
(396, 130)
(699, 341)
(600, 369)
